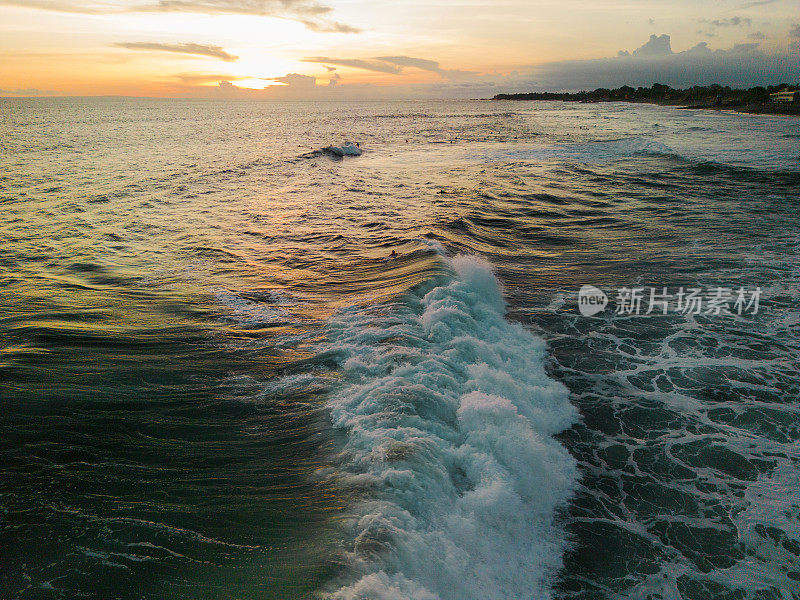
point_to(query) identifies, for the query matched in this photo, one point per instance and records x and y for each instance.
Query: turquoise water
(216, 383)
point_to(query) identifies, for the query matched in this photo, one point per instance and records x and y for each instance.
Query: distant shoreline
(753, 100)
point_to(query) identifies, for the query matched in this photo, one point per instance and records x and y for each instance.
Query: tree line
(711, 95)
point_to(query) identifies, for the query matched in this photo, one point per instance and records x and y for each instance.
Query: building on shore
(784, 96)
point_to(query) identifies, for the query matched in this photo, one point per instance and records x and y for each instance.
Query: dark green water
(214, 384)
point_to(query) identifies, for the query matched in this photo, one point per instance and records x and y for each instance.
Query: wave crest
(449, 417)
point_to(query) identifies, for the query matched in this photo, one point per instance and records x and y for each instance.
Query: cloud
(657, 45)
(699, 48)
(330, 27)
(393, 65)
(295, 80)
(227, 86)
(730, 22)
(292, 86)
(88, 8)
(313, 15)
(757, 35)
(425, 65)
(308, 12)
(754, 4)
(357, 63)
(28, 92)
(740, 49)
(743, 65)
(206, 77)
(239, 7)
(324, 91)
(193, 49)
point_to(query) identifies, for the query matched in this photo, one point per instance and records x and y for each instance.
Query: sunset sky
(415, 48)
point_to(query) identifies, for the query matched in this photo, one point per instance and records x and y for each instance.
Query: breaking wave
(448, 417)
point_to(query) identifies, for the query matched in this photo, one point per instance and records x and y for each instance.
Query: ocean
(216, 381)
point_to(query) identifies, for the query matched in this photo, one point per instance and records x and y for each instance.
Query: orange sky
(380, 48)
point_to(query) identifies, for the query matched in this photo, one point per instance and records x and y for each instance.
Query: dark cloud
(313, 15)
(192, 49)
(357, 63)
(757, 35)
(744, 65)
(334, 80)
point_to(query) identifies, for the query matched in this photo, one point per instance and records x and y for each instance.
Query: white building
(782, 97)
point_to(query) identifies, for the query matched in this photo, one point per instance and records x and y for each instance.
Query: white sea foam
(449, 417)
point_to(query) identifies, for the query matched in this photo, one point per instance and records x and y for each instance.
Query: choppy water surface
(215, 383)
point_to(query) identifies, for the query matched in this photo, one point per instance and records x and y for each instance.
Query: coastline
(759, 108)
(756, 100)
